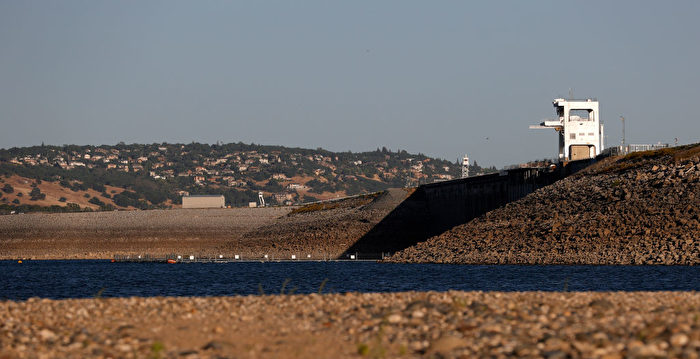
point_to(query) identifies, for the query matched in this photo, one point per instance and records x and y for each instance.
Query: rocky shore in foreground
(640, 209)
(373, 325)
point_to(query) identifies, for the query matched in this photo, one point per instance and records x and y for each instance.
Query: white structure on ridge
(579, 127)
(261, 200)
(465, 167)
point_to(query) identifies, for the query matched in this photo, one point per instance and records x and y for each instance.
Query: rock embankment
(321, 230)
(638, 209)
(378, 325)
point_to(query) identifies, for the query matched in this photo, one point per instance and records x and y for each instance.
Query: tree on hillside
(273, 185)
(72, 207)
(36, 194)
(97, 201)
(307, 199)
(7, 188)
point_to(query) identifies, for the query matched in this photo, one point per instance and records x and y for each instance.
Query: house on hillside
(279, 176)
(283, 197)
(296, 186)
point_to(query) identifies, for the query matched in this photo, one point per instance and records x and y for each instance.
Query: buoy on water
(19, 261)
(171, 261)
(112, 261)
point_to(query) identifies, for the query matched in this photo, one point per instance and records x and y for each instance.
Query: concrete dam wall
(456, 202)
(435, 208)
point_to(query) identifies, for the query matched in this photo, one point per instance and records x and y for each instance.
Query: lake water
(77, 279)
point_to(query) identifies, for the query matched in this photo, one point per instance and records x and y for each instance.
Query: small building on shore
(204, 201)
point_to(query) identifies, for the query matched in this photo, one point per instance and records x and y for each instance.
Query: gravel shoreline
(249, 232)
(101, 235)
(409, 324)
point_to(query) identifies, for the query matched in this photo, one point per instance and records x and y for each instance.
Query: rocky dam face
(639, 209)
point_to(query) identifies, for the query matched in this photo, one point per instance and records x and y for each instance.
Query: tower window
(580, 115)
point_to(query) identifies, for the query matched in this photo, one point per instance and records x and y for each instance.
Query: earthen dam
(436, 207)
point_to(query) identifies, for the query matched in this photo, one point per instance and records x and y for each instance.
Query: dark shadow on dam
(437, 207)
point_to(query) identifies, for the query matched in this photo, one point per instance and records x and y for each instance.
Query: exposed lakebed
(88, 278)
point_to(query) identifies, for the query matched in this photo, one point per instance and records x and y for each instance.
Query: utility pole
(623, 133)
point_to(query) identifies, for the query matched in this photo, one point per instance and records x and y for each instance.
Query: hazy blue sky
(437, 77)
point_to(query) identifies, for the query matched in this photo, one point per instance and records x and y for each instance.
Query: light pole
(623, 134)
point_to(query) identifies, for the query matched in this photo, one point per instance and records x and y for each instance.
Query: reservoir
(91, 278)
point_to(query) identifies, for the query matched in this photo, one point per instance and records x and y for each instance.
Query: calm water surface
(76, 279)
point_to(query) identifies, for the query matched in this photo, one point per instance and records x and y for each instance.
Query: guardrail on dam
(435, 208)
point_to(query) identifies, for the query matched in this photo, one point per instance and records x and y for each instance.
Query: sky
(442, 78)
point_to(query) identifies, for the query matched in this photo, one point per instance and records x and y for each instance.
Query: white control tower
(261, 200)
(579, 127)
(465, 167)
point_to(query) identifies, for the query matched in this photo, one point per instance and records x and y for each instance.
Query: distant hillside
(76, 178)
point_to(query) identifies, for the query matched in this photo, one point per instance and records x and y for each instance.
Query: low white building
(204, 201)
(296, 186)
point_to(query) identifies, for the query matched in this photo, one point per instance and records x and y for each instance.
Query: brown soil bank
(379, 325)
(104, 234)
(639, 209)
